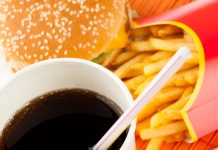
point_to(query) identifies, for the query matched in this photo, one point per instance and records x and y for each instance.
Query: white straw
(161, 78)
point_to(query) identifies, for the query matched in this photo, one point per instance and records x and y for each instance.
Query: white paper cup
(56, 74)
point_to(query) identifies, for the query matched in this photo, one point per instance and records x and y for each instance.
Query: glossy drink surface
(63, 119)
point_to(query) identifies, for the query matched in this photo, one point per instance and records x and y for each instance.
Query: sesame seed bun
(31, 31)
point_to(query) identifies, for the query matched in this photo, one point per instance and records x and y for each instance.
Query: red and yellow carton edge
(196, 114)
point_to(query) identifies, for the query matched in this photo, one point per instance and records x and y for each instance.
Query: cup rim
(85, 62)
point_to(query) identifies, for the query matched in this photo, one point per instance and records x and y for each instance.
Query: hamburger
(32, 31)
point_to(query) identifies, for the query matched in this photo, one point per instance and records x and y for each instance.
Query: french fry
(184, 78)
(188, 91)
(142, 86)
(171, 44)
(182, 101)
(163, 106)
(138, 66)
(193, 59)
(165, 95)
(164, 130)
(155, 143)
(141, 65)
(123, 70)
(147, 58)
(169, 30)
(187, 66)
(188, 37)
(145, 124)
(134, 82)
(161, 55)
(140, 46)
(165, 30)
(154, 29)
(172, 112)
(123, 57)
(175, 137)
(164, 117)
(140, 32)
(192, 76)
(132, 73)
(154, 68)
(112, 57)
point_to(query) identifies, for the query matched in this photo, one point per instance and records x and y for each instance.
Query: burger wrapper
(199, 19)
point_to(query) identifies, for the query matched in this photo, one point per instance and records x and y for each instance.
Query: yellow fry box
(199, 19)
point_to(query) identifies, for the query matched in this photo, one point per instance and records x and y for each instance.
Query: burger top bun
(35, 30)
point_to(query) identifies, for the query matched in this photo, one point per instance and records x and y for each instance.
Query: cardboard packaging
(199, 19)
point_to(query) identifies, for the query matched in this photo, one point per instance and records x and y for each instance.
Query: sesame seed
(71, 13)
(35, 55)
(25, 48)
(33, 45)
(17, 53)
(80, 45)
(42, 47)
(95, 41)
(42, 33)
(48, 35)
(87, 16)
(45, 41)
(60, 41)
(54, 56)
(46, 54)
(41, 57)
(29, 57)
(81, 11)
(7, 29)
(21, 57)
(3, 33)
(65, 52)
(60, 47)
(87, 9)
(93, 46)
(12, 16)
(39, 43)
(75, 48)
(70, 22)
(25, 55)
(88, 44)
(57, 51)
(102, 15)
(91, 23)
(69, 29)
(47, 48)
(67, 9)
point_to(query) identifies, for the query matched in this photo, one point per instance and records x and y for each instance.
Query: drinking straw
(155, 85)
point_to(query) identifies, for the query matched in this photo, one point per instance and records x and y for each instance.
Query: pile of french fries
(148, 51)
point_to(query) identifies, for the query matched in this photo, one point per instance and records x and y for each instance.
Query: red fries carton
(199, 19)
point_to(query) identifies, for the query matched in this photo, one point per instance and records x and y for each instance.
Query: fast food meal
(32, 31)
(96, 30)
